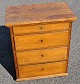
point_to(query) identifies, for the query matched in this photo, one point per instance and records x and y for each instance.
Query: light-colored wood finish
(40, 37)
(70, 26)
(41, 28)
(42, 69)
(40, 77)
(41, 56)
(14, 53)
(40, 13)
(41, 40)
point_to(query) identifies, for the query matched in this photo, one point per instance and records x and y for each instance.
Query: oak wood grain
(14, 53)
(37, 41)
(41, 56)
(42, 69)
(70, 26)
(28, 14)
(40, 35)
(40, 28)
(40, 77)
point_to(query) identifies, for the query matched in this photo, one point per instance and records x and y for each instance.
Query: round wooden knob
(41, 40)
(41, 27)
(41, 55)
(42, 69)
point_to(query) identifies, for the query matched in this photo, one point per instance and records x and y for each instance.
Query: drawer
(38, 41)
(42, 69)
(41, 56)
(41, 28)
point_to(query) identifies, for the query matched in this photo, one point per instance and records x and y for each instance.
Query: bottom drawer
(42, 69)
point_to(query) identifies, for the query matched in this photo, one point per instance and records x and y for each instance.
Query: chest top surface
(28, 14)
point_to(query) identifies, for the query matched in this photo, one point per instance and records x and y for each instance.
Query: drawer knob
(41, 27)
(42, 69)
(41, 40)
(41, 55)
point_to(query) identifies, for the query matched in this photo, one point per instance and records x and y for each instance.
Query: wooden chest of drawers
(40, 37)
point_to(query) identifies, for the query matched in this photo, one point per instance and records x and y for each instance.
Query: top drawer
(41, 28)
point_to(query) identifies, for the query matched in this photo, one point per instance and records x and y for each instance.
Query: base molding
(39, 77)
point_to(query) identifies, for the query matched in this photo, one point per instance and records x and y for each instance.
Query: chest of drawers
(40, 36)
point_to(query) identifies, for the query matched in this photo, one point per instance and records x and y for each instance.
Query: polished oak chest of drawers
(40, 36)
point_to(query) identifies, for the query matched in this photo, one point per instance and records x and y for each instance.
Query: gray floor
(7, 71)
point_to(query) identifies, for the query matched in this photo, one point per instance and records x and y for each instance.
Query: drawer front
(41, 40)
(42, 69)
(41, 28)
(41, 56)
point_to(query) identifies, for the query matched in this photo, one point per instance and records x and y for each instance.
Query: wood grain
(40, 77)
(41, 56)
(14, 53)
(42, 69)
(39, 13)
(41, 28)
(41, 40)
(40, 35)
(70, 26)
